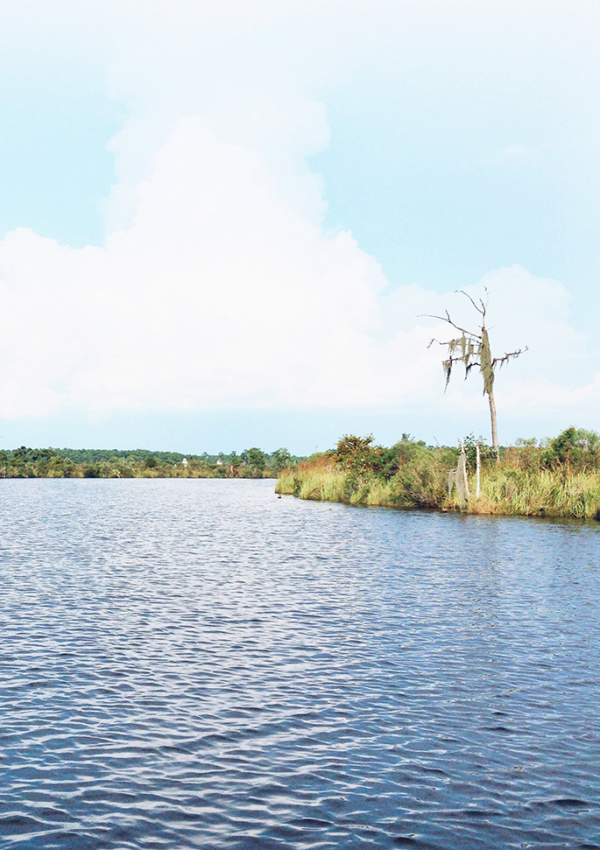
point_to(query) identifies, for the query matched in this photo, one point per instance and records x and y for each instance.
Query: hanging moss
(473, 349)
(486, 364)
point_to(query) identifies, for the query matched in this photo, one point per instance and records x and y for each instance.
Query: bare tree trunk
(462, 482)
(478, 486)
(495, 443)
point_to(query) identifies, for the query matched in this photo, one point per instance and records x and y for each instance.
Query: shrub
(574, 447)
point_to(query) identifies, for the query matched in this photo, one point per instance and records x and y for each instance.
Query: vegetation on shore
(139, 463)
(557, 478)
(554, 478)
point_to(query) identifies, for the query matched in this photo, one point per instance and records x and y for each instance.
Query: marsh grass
(506, 488)
(545, 492)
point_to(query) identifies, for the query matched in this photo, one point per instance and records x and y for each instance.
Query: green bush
(574, 447)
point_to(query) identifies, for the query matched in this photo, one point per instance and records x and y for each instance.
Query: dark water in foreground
(201, 664)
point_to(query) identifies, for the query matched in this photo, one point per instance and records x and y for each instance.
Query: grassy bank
(528, 480)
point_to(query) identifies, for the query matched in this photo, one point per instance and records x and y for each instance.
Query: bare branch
(479, 310)
(459, 359)
(487, 300)
(506, 358)
(438, 342)
(447, 318)
(471, 345)
(456, 359)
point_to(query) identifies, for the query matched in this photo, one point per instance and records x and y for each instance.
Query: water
(200, 664)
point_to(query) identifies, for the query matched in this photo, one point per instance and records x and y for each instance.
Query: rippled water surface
(202, 664)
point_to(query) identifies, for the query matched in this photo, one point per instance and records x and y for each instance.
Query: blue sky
(221, 221)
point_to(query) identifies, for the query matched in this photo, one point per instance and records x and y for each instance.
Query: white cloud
(222, 293)
(217, 285)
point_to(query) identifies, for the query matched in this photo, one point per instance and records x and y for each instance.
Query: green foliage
(408, 474)
(26, 455)
(350, 446)
(26, 462)
(281, 459)
(135, 455)
(411, 474)
(357, 453)
(574, 447)
(486, 453)
(255, 458)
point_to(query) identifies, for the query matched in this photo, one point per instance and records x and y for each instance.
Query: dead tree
(458, 478)
(473, 349)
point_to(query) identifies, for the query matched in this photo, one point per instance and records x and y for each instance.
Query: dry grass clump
(313, 481)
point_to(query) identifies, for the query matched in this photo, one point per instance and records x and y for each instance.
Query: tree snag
(473, 349)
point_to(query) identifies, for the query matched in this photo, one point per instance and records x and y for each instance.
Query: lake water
(190, 663)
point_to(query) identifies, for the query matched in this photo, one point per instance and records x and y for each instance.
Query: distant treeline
(559, 477)
(26, 462)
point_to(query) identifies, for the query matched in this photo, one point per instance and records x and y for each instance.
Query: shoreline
(544, 494)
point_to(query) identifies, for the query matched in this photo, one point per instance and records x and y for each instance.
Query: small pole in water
(478, 485)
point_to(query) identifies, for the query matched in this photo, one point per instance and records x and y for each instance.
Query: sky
(222, 224)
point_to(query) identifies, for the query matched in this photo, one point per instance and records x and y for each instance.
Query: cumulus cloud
(222, 293)
(217, 285)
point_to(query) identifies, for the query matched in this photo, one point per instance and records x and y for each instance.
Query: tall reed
(504, 489)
